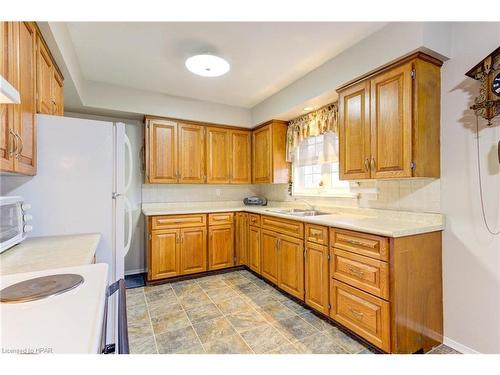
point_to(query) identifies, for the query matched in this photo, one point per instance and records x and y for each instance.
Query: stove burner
(40, 287)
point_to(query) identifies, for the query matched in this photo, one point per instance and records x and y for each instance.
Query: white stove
(68, 322)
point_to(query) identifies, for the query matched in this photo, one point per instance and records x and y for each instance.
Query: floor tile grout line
(272, 324)
(150, 321)
(229, 321)
(191, 323)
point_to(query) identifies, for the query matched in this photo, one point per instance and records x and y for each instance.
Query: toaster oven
(14, 221)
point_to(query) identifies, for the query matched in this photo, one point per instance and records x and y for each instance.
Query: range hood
(8, 93)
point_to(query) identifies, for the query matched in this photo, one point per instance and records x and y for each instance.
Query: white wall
(471, 257)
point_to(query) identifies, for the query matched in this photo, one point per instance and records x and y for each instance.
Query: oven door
(123, 347)
(11, 222)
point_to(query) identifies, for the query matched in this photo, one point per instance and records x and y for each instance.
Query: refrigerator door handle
(128, 147)
(128, 208)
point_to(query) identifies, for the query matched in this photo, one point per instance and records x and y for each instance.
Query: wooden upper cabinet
(354, 128)
(49, 82)
(268, 153)
(57, 94)
(45, 76)
(218, 155)
(241, 157)
(26, 129)
(191, 153)
(7, 70)
(161, 151)
(390, 122)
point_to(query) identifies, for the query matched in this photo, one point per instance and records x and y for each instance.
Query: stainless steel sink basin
(297, 212)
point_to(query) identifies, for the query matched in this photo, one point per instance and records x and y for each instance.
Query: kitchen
(250, 188)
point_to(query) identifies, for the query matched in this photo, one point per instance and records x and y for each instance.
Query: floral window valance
(321, 121)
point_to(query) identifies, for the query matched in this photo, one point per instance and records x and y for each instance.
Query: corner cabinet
(26, 62)
(390, 122)
(268, 153)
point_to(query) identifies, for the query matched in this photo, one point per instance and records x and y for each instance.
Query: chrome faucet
(306, 202)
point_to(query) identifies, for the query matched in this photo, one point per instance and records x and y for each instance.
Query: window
(315, 168)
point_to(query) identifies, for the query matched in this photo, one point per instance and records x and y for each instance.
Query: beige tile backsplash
(418, 195)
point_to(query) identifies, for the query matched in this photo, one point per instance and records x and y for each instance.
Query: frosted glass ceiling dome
(207, 65)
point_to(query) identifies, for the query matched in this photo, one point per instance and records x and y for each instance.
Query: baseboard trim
(135, 272)
(459, 347)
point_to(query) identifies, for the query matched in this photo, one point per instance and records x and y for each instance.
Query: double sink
(297, 212)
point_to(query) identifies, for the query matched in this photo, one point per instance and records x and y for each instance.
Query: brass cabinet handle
(372, 163)
(21, 146)
(367, 164)
(14, 142)
(356, 313)
(354, 242)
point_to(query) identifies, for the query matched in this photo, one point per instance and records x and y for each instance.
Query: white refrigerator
(84, 169)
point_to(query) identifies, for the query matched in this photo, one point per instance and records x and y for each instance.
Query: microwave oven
(14, 221)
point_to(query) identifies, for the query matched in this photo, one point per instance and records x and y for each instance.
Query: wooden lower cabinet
(254, 249)
(165, 260)
(220, 246)
(364, 314)
(291, 265)
(193, 252)
(241, 238)
(269, 266)
(316, 277)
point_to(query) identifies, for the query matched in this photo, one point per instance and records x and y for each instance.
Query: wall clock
(487, 103)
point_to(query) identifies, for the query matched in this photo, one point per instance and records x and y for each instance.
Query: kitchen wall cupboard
(193, 153)
(268, 153)
(386, 290)
(390, 122)
(19, 64)
(220, 241)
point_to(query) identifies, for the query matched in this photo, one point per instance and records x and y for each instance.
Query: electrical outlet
(218, 192)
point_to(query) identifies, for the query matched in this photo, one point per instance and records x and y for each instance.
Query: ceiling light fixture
(307, 109)
(207, 65)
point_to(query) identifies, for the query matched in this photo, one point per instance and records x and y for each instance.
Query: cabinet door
(165, 260)
(241, 238)
(270, 256)
(291, 265)
(7, 70)
(161, 150)
(262, 154)
(44, 78)
(193, 251)
(254, 253)
(191, 154)
(220, 247)
(391, 123)
(316, 277)
(241, 152)
(57, 93)
(218, 155)
(354, 132)
(25, 161)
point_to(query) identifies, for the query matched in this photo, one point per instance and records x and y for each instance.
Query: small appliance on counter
(255, 201)
(14, 221)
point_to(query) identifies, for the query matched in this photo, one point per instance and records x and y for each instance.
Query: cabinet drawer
(254, 220)
(317, 234)
(365, 273)
(283, 226)
(179, 221)
(220, 218)
(361, 243)
(364, 314)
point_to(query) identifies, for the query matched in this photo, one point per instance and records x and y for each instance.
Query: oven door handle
(123, 347)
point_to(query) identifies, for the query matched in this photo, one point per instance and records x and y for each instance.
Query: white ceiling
(264, 57)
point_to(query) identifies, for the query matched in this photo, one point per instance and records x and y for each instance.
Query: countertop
(43, 253)
(70, 322)
(382, 222)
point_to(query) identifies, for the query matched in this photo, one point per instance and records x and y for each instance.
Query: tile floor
(234, 312)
